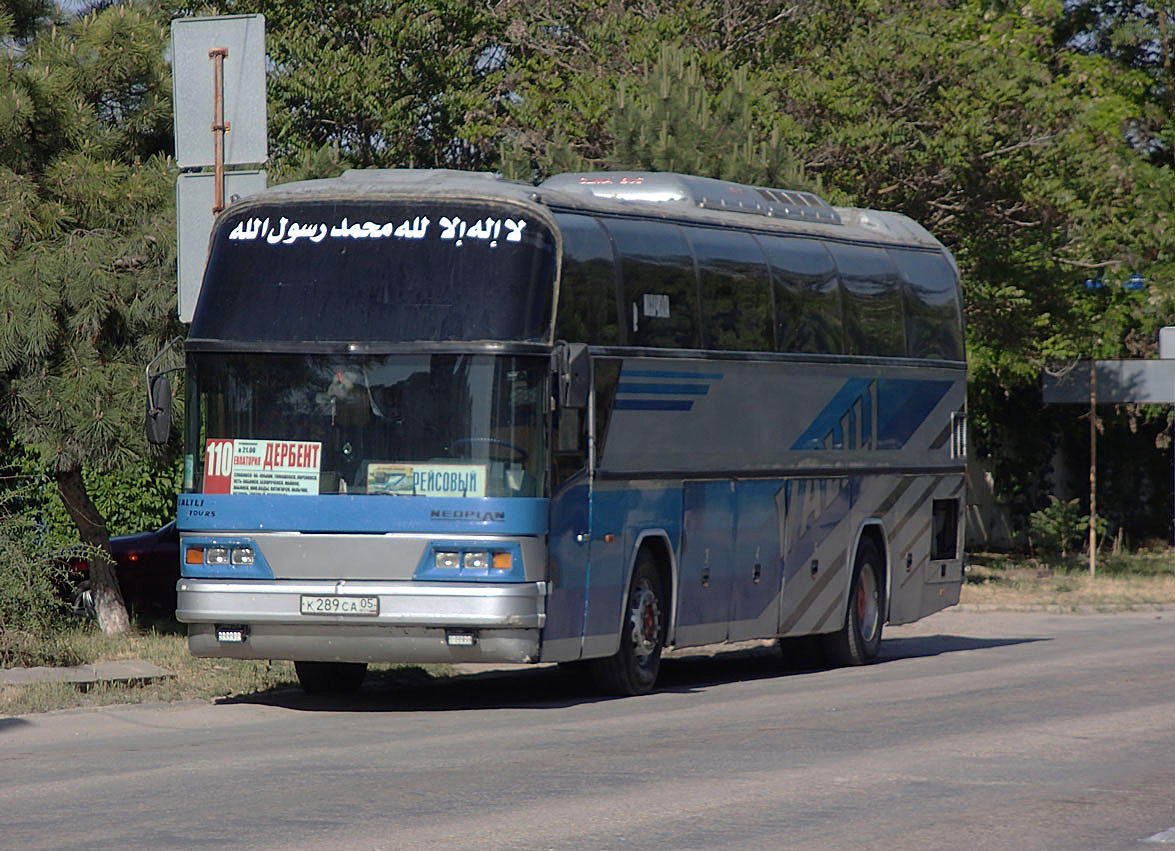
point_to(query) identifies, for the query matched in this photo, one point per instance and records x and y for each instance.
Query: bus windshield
(449, 425)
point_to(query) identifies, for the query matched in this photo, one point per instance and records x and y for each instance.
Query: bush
(1060, 527)
(34, 584)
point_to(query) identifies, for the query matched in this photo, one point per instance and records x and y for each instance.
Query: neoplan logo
(470, 516)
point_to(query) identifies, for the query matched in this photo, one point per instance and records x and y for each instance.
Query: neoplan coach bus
(437, 416)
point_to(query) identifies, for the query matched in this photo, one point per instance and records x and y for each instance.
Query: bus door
(568, 570)
(570, 535)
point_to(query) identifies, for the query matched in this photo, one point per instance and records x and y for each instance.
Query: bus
(442, 417)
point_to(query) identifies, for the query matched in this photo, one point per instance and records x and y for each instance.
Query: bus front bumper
(416, 621)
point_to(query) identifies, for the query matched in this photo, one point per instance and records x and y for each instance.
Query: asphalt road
(975, 731)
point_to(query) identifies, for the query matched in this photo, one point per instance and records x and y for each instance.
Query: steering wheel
(520, 454)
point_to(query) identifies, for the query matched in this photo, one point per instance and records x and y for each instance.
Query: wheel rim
(645, 616)
(868, 612)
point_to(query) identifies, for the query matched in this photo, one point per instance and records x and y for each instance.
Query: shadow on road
(7, 725)
(548, 686)
(936, 645)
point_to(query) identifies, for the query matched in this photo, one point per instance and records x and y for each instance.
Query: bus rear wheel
(330, 677)
(634, 668)
(859, 640)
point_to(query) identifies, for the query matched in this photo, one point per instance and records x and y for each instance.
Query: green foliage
(87, 284)
(32, 577)
(382, 84)
(1060, 526)
(670, 118)
(87, 266)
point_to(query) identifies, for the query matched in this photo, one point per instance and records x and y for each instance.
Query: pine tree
(87, 259)
(671, 118)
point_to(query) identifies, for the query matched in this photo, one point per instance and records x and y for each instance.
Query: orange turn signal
(194, 555)
(503, 561)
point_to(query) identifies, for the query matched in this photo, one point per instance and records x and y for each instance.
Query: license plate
(338, 604)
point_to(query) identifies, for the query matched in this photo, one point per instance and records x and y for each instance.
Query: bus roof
(662, 195)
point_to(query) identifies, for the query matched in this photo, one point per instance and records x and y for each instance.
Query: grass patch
(195, 679)
(1122, 581)
(166, 645)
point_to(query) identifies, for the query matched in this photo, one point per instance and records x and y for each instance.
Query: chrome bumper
(414, 623)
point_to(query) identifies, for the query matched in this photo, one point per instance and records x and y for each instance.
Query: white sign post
(218, 92)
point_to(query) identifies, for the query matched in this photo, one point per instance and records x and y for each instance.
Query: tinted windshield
(407, 425)
(387, 271)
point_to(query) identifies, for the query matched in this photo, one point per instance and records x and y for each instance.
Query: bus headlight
(448, 560)
(477, 560)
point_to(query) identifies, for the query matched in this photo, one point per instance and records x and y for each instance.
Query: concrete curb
(135, 671)
(1059, 609)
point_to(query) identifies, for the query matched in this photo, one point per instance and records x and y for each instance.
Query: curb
(135, 671)
(1058, 609)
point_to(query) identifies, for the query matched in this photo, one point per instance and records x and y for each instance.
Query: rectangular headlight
(448, 560)
(216, 555)
(477, 560)
(242, 556)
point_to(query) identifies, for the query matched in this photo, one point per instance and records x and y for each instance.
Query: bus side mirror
(159, 396)
(158, 409)
(573, 369)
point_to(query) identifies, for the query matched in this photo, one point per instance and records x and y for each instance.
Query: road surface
(975, 730)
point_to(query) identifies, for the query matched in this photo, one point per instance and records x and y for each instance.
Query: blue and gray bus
(437, 416)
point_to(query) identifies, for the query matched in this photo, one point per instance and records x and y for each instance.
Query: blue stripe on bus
(663, 373)
(828, 421)
(652, 405)
(199, 512)
(902, 406)
(663, 389)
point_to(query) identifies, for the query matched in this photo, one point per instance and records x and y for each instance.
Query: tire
(859, 640)
(330, 677)
(83, 601)
(634, 668)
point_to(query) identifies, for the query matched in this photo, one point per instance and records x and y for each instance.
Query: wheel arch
(873, 530)
(656, 541)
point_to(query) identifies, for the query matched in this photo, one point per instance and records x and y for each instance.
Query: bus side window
(660, 287)
(807, 296)
(873, 310)
(587, 310)
(735, 288)
(934, 323)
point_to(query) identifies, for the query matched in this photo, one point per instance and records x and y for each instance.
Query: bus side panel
(707, 560)
(817, 534)
(625, 511)
(922, 581)
(757, 580)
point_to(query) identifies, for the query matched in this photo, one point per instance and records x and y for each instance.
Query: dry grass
(195, 679)
(1122, 582)
(198, 679)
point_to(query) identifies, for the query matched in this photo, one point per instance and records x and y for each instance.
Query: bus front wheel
(330, 677)
(633, 669)
(859, 640)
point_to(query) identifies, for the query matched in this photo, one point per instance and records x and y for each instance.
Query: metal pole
(219, 125)
(1092, 468)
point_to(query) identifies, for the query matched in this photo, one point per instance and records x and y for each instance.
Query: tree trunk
(108, 602)
(1168, 69)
